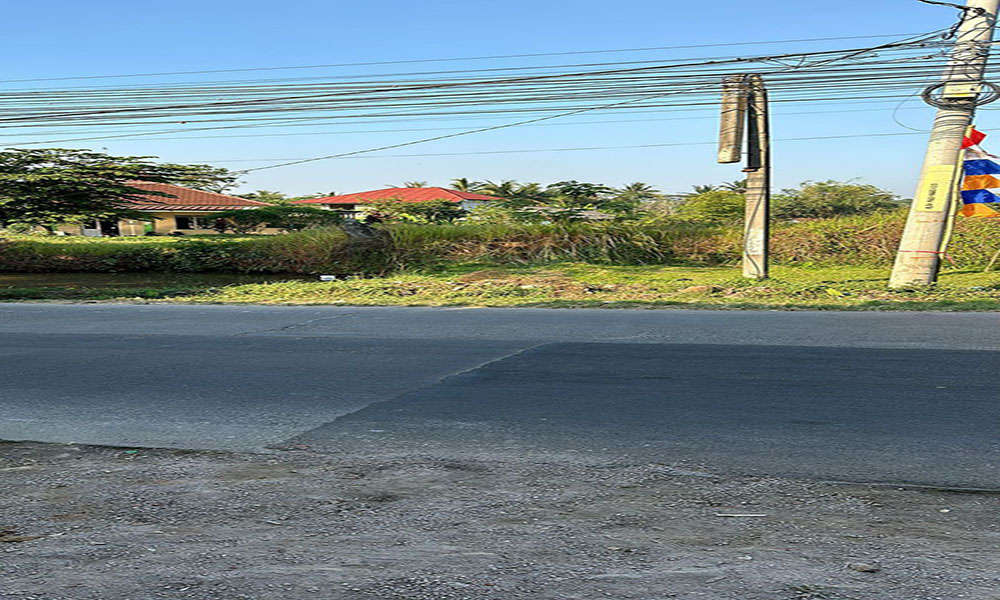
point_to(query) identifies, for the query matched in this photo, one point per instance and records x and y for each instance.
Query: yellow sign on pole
(935, 189)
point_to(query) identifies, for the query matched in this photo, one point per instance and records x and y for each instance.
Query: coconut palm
(503, 189)
(739, 186)
(638, 192)
(465, 185)
(530, 192)
(703, 189)
(579, 194)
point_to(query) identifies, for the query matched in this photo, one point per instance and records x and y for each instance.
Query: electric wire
(880, 73)
(459, 59)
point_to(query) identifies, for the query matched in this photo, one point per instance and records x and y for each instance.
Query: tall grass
(868, 240)
(872, 240)
(599, 243)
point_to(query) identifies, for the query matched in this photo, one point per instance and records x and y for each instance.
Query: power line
(457, 59)
(425, 91)
(576, 149)
(485, 129)
(307, 97)
(801, 76)
(421, 129)
(285, 123)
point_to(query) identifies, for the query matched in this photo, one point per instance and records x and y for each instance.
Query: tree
(574, 194)
(520, 194)
(47, 186)
(629, 198)
(702, 189)
(272, 197)
(267, 196)
(529, 192)
(504, 189)
(824, 199)
(428, 211)
(638, 192)
(465, 185)
(290, 217)
(739, 186)
(716, 206)
(205, 177)
(415, 184)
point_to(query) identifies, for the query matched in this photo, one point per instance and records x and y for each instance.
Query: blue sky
(106, 37)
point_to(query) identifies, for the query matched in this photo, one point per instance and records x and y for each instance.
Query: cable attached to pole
(966, 9)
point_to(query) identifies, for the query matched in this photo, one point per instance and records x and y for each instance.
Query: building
(188, 212)
(354, 204)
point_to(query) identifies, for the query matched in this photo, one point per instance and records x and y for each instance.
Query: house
(354, 204)
(188, 212)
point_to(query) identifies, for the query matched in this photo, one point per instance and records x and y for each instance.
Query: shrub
(852, 240)
(429, 211)
(825, 199)
(289, 217)
(716, 206)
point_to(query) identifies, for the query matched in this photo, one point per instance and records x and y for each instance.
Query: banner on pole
(981, 186)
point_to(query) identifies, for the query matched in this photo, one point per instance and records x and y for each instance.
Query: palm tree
(578, 194)
(638, 192)
(504, 189)
(739, 186)
(465, 185)
(530, 192)
(703, 189)
(414, 184)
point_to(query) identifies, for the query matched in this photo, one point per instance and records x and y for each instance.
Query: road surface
(892, 397)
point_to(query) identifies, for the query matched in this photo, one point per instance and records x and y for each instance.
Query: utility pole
(745, 99)
(919, 257)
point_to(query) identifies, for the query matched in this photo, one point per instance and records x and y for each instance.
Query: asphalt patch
(861, 414)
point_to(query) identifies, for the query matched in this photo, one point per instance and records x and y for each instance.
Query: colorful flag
(973, 138)
(981, 187)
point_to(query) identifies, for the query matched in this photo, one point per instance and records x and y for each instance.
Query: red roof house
(188, 211)
(350, 202)
(187, 199)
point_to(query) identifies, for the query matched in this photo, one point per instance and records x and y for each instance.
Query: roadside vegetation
(863, 240)
(556, 285)
(832, 245)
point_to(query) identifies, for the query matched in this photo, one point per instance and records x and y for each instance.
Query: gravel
(142, 524)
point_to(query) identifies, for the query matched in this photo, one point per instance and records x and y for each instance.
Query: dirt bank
(115, 524)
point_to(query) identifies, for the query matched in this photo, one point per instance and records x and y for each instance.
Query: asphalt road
(898, 397)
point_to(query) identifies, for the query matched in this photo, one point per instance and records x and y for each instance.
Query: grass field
(559, 285)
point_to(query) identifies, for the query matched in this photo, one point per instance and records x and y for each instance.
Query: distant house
(354, 204)
(188, 212)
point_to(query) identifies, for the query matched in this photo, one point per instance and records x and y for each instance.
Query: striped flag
(981, 187)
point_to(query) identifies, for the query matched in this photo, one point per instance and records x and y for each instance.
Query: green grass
(838, 264)
(864, 240)
(567, 285)
(68, 242)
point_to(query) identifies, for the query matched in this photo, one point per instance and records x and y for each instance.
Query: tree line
(46, 187)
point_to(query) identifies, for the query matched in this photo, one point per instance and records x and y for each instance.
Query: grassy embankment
(839, 263)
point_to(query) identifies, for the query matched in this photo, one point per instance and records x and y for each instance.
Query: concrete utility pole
(919, 257)
(744, 100)
(757, 232)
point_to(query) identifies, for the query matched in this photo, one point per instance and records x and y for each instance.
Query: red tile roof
(404, 194)
(187, 199)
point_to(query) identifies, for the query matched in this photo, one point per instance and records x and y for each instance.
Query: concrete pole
(733, 119)
(919, 257)
(756, 252)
